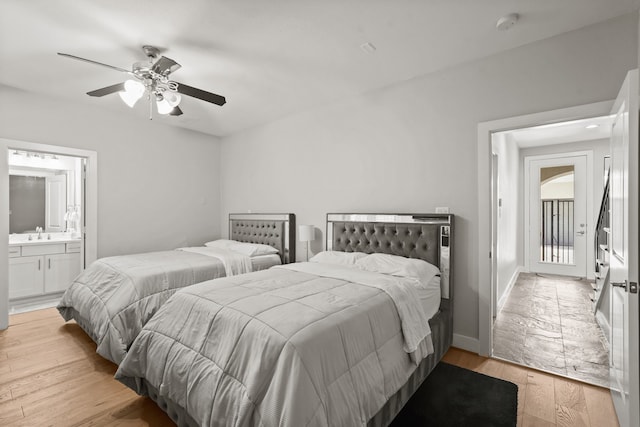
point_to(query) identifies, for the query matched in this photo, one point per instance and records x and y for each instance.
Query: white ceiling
(562, 133)
(270, 59)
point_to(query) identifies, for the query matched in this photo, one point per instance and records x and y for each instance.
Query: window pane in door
(557, 219)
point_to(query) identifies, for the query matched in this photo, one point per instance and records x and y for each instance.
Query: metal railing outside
(557, 238)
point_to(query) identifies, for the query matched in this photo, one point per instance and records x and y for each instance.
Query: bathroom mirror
(26, 203)
(45, 190)
(38, 199)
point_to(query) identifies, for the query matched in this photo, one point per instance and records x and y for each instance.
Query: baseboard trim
(512, 282)
(34, 303)
(466, 343)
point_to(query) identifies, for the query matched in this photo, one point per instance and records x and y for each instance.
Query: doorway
(545, 318)
(61, 215)
(46, 244)
(624, 312)
(558, 190)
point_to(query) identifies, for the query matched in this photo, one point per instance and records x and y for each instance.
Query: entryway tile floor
(548, 323)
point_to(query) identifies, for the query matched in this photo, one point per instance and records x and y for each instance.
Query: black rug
(454, 396)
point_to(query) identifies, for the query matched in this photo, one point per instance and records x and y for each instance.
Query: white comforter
(115, 296)
(234, 263)
(296, 345)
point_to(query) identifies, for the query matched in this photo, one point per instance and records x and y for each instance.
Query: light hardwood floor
(50, 375)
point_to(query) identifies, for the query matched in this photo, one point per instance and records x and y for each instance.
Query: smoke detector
(507, 21)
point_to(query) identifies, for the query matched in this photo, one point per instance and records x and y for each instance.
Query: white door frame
(485, 130)
(91, 214)
(590, 235)
(495, 232)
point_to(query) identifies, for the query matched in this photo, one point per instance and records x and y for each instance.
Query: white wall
(509, 186)
(413, 146)
(158, 186)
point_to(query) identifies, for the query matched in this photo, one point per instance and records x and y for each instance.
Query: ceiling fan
(151, 78)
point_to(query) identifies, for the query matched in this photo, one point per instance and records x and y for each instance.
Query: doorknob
(581, 232)
(622, 285)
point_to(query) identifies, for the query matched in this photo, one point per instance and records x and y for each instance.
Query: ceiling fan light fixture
(129, 98)
(172, 98)
(151, 80)
(163, 106)
(133, 91)
(134, 86)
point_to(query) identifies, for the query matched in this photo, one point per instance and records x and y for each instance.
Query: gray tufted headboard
(423, 236)
(277, 230)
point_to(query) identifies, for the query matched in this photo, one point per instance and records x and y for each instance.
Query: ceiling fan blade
(107, 90)
(175, 112)
(201, 94)
(94, 62)
(165, 66)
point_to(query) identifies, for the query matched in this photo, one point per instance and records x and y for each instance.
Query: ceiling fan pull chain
(150, 106)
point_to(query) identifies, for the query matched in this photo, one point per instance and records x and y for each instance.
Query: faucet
(39, 231)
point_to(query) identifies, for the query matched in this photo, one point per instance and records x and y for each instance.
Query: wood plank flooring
(50, 375)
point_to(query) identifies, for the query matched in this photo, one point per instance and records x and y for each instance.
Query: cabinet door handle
(38, 264)
(49, 263)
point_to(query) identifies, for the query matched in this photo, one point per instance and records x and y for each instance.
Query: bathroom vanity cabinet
(42, 268)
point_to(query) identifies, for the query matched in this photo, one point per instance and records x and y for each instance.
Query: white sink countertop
(46, 239)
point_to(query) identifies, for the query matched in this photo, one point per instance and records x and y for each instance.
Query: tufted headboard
(423, 236)
(277, 230)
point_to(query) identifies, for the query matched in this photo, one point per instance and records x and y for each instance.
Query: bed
(307, 344)
(115, 296)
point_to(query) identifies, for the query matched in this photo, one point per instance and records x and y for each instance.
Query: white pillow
(252, 249)
(337, 257)
(220, 243)
(395, 265)
(244, 248)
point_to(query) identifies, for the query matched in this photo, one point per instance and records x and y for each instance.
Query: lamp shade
(306, 233)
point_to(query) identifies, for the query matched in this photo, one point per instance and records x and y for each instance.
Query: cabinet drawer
(57, 248)
(14, 251)
(73, 247)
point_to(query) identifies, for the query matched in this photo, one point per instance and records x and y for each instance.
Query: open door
(624, 255)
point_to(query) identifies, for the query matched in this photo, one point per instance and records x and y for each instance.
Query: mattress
(114, 297)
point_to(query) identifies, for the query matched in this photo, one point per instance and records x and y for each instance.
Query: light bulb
(133, 91)
(134, 87)
(163, 106)
(172, 98)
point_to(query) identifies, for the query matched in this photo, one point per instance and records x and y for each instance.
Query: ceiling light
(507, 21)
(592, 126)
(172, 98)
(133, 91)
(152, 78)
(163, 105)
